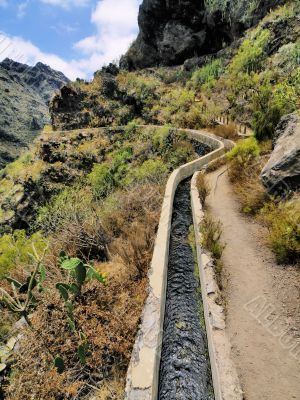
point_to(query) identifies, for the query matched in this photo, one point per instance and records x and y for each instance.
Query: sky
(76, 37)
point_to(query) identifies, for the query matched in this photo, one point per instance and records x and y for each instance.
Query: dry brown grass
(203, 187)
(229, 131)
(111, 389)
(247, 185)
(135, 247)
(216, 164)
(108, 315)
(211, 232)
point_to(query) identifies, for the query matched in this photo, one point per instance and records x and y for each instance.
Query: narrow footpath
(262, 301)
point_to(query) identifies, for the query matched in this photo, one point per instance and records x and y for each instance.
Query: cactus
(81, 273)
(83, 348)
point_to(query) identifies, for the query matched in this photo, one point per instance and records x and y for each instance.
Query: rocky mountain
(24, 96)
(172, 31)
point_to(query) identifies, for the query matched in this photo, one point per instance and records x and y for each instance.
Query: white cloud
(21, 9)
(25, 52)
(67, 4)
(115, 24)
(116, 28)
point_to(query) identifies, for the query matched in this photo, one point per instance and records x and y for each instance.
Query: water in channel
(185, 369)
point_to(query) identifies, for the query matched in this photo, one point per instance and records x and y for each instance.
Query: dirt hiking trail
(262, 302)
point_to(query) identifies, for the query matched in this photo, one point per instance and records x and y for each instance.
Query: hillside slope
(255, 82)
(24, 94)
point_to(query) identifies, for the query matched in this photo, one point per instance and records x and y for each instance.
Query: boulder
(282, 172)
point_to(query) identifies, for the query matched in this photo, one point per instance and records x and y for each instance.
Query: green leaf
(25, 286)
(42, 278)
(81, 351)
(71, 263)
(62, 254)
(69, 307)
(71, 324)
(33, 300)
(59, 364)
(93, 274)
(80, 273)
(75, 289)
(42, 273)
(62, 290)
(14, 281)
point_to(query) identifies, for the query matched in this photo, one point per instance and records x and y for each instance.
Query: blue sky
(76, 37)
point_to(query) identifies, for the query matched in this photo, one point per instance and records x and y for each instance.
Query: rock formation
(172, 31)
(24, 95)
(282, 172)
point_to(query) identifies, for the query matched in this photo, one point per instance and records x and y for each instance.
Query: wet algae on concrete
(185, 370)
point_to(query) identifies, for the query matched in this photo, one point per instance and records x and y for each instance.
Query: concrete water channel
(185, 368)
(174, 350)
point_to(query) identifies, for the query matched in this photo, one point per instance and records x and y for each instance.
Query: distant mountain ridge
(25, 92)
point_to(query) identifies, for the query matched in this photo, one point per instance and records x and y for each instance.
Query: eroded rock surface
(282, 172)
(172, 31)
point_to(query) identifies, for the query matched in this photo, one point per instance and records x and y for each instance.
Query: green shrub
(251, 53)
(161, 139)
(245, 150)
(207, 74)
(271, 102)
(101, 179)
(14, 249)
(131, 129)
(241, 157)
(150, 171)
(179, 100)
(180, 154)
(72, 203)
(283, 221)
(192, 119)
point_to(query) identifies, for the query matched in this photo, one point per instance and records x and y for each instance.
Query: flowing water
(185, 369)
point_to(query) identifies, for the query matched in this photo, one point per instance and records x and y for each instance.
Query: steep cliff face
(24, 95)
(172, 31)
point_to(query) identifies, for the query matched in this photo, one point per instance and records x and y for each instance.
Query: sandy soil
(262, 301)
